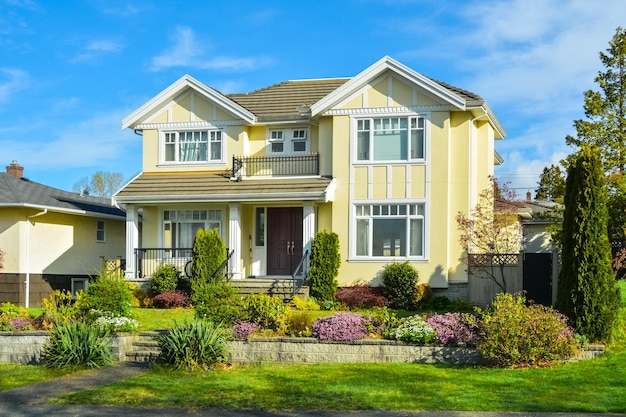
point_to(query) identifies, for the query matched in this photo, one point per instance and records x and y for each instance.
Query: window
(100, 231)
(259, 232)
(390, 139)
(193, 146)
(180, 226)
(390, 230)
(288, 141)
(79, 284)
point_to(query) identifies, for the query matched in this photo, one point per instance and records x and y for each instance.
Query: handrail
(223, 265)
(295, 272)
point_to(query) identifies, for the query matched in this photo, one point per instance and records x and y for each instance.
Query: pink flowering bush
(243, 329)
(454, 328)
(340, 326)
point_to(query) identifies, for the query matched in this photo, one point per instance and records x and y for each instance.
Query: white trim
(186, 81)
(73, 291)
(400, 110)
(104, 230)
(215, 124)
(252, 197)
(64, 210)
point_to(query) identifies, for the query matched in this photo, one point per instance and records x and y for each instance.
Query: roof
(286, 98)
(202, 187)
(21, 192)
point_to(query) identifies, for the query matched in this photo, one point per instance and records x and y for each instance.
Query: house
(52, 239)
(385, 159)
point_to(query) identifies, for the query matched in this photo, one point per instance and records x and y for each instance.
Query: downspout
(27, 283)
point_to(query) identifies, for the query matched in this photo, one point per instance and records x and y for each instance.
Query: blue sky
(71, 71)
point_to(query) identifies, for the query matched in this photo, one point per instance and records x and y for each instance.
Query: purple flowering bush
(243, 329)
(340, 327)
(454, 328)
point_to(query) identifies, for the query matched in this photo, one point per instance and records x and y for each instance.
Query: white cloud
(12, 81)
(186, 51)
(98, 48)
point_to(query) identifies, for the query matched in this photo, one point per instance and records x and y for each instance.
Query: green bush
(78, 345)
(108, 292)
(513, 333)
(324, 265)
(269, 312)
(400, 280)
(208, 254)
(197, 345)
(164, 278)
(299, 323)
(217, 302)
(421, 294)
(59, 307)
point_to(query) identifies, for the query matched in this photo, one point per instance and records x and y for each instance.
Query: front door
(284, 239)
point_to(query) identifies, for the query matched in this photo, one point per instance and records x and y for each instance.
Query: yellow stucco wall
(59, 243)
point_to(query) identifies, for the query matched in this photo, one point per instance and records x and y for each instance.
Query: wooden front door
(284, 239)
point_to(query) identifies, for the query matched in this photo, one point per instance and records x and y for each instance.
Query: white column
(308, 225)
(132, 240)
(234, 239)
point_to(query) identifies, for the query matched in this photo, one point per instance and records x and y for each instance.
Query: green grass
(156, 319)
(589, 386)
(14, 375)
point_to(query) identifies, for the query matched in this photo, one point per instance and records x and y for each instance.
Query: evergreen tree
(587, 293)
(208, 254)
(551, 184)
(324, 265)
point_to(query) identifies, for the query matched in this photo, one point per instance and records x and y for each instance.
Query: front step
(146, 348)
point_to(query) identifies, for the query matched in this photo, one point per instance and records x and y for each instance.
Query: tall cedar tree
(551, 184)
(208, 254)
(587, 293)
(324, 265)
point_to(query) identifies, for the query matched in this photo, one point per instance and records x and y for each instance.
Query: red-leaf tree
(491, 234)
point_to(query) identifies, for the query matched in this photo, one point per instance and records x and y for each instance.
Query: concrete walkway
(32, 401)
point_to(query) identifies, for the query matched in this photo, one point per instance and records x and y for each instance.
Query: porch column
(234, 239)
(132, 240)
(308, 225)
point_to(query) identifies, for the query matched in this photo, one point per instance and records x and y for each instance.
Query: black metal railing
(300, 274)
(148, 259)
(276, 165)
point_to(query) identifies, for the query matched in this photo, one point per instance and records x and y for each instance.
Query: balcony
(276, 165)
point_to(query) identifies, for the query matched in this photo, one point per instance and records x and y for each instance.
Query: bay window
(193, 146)
(390, 230)
(390, 139)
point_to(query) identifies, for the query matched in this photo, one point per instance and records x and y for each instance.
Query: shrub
(108, 292)
(304, 305)
(170, 299)
(164, 278)
(106, 322)
(324, 263)
(400, 280)
(516, 334)
(265, 310)
(58, 307)
(197, 345)
(208, 254)
(77, 345)
(414, 329)
(454, 328)
(361, 296)
(340, 326)
(420, 295)
(243, 329)
(438, 303)
(218, 302)
(13, 318)
(299, 323)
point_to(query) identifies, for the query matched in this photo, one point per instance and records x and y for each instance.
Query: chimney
(528, 196)
(15, 169)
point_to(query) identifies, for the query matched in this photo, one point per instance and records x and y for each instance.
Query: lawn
(14, 375)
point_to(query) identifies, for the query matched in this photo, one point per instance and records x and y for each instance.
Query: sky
(70, 71)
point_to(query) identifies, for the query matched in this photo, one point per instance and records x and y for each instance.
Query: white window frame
(173, 137)
(102, 230)
(288, 137)
(368, 212)
(366, 127)
(73, 289)
(212, 218)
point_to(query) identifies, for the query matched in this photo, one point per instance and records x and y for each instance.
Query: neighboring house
(52, 239)
(384, 159)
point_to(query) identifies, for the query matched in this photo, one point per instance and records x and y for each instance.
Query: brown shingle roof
(211, 187)
(284, 99)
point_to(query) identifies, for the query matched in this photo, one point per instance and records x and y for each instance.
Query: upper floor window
(390, 139)
(100, 231)
(288, 140)
(193, 146)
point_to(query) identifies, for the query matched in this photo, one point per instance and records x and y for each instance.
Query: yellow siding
(379, 182)
(402, 93)
(160, 117)
(424, 100)
(222, 115)
(377, 95)
(418, 181)
(257, 140)
(325, 146)
(361, 181)
(203, 109)
(398, 182)
(355, 103)
(181, 110)
(11, 220)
